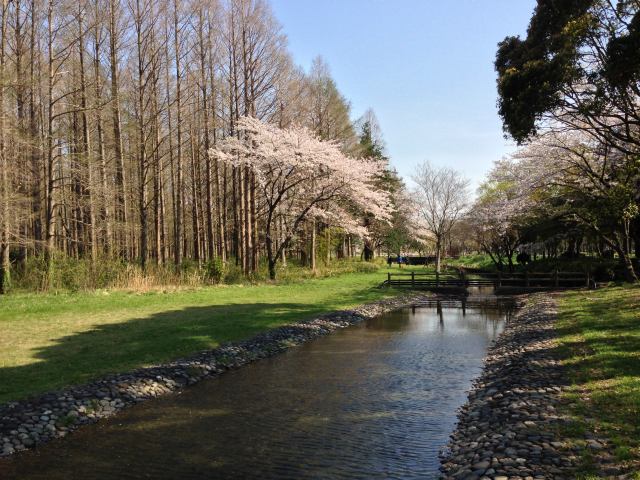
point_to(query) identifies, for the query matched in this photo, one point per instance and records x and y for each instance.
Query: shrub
(69, 274)
(215, 270)
(233, 273)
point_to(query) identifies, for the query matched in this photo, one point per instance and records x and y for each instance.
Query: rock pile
(509, 427)
(25, 424)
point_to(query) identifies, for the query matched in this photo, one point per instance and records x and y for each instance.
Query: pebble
(511, 416)
(31, 422)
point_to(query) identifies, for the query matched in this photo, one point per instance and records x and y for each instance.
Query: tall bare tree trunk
(102, 161)
(242, 234)
(248, 235)
(50, 166)
(86, 142)
(197, 254)
(221, 214)
(139, 15)
(254, 221)
(312, 256)
(248, 221)
(202, 47)
(170, 149)
(5, 241)
(180, 244)
(121, 208)
(25, 180)
(158, 172)
(37, 166)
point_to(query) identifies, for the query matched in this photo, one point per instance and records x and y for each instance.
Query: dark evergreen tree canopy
(623, 56)
(369, 146)
(535, 72)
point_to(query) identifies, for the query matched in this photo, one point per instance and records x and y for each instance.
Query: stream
(377, 400)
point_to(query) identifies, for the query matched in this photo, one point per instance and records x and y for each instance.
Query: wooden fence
(463, 279)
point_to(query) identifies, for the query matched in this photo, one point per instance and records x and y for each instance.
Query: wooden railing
(463, 279)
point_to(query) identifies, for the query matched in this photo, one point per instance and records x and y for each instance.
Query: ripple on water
(372, 401)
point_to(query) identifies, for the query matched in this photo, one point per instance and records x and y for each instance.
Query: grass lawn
(52, 340)
(600, 338)
(476, 260)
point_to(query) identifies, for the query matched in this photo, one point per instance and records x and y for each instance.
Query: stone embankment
(511, 426)
(25, 424)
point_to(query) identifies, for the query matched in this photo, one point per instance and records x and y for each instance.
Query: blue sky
(424, 66)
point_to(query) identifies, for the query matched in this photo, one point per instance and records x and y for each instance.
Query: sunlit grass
(475, 260)
(52, 340)
(600, 338)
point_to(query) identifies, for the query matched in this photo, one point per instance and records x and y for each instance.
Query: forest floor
(599, 332)
(53, 340)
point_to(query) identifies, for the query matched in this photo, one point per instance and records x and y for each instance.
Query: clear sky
(424, 66)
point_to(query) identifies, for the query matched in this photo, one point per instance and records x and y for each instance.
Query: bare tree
(441, 198)
(4, 166)
(107, 111)
(121, 207)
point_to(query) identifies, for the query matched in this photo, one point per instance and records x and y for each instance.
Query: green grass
(600, 342)
(52, 340)
(475, 260)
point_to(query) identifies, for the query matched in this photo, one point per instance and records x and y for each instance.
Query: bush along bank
(25, 424)
(511, 426)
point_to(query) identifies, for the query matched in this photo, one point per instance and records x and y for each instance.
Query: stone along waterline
(377, 400)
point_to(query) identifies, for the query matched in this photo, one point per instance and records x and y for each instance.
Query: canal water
(377, 400)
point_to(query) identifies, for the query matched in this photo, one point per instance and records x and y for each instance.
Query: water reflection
(373, 401)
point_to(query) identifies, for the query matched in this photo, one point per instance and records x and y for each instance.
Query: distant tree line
(108, 112)
(569, 94)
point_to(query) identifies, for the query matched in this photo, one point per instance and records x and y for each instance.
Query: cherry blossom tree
(300, 176)
(590, 182)
(499, 211)
(571, 88)
(567, 179)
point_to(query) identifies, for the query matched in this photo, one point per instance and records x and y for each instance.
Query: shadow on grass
(157, 338)
(320, 413)
(600, 344)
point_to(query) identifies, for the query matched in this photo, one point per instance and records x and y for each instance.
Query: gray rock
(31, 422)
(512, 412)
